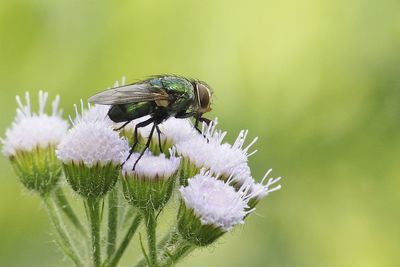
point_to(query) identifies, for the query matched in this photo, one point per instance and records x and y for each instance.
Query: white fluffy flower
(96, 113)
(152, 167)
(220, 158)
(30, 130)
(215, 202)
(173, 130)
(260, 190)
(92, 141)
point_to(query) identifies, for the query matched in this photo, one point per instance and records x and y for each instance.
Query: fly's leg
(196, 125)
(207, 121)
(197, 121)
(123, 126)
(201, 119)
(146, 147)
(159, 138)
(135, 137)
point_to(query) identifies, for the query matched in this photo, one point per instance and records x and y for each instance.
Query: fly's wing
(131, 93)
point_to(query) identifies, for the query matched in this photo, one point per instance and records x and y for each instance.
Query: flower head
(91, 154)
(210, 207)
(91, 143)
(152, 167)
(257, 191)
(96, 113)
(172, 131)
(150, 184)
(31, 130)
(30, 144)
(221, 159)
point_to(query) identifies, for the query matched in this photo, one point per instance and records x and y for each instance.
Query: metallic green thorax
(181, 98)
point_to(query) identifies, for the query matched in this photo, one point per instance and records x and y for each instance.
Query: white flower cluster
(222, 194)
(152, 167)
(260, 190)
(172, 130)
(92, 140)
(221, 159)
(30, 130)
(96, 113)
(215, 202)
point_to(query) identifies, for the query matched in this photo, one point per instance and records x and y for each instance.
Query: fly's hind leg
(135, 137)
(159, 138)
(146, 147)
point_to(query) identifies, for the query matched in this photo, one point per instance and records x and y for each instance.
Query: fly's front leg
(201, 119)
(135, 137)
(146, 147)
(185, 115)
(205, 120)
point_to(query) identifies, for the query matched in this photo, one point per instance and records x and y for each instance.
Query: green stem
(125, 242)
(160, 246)
(112, 222)
(128, 215)
(180, 250)
(174, 248)
(151, 225)
(65, 241)
(63, 203)
(94, 213)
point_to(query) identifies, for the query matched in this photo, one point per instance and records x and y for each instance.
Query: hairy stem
(94, 216)
(112, 222)
(175, 253)
(151, 225)
(65, 241)
(167, 239)
(125, 242)
(172, 249)
(64, 205)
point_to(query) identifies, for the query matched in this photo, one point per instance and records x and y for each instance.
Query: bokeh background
(317, 81)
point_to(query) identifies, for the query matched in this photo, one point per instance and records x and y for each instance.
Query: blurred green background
(317, 81)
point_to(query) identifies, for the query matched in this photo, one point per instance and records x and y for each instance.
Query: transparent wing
(130, 93)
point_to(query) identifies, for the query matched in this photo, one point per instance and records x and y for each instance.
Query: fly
(161, 97)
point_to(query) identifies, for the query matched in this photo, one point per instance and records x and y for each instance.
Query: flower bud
(210, 208)
(221, 159)
(91, 154)
(150, 185)
(257, 191)
(30, 144)
(172, 131)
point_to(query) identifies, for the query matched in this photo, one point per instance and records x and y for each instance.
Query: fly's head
(203, 97)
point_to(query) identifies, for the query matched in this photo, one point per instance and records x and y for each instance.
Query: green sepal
(39, 169)
(252, 203)
(187, 170)
(193, 231)
(91, 182)
(148, 194)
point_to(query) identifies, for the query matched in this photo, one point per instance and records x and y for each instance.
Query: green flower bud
(150, 185)
(30, 144)
(91, 154)
(210, 208)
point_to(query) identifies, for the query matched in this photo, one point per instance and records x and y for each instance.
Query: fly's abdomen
(128, 112)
